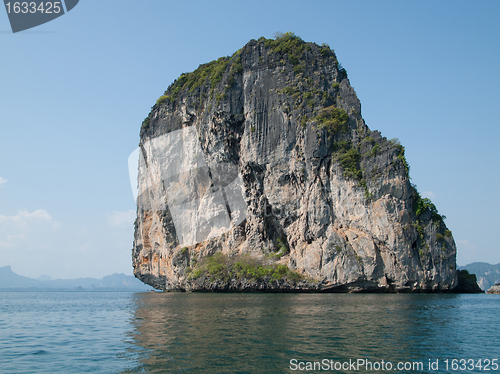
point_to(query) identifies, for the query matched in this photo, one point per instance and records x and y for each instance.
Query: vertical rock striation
(257, 171)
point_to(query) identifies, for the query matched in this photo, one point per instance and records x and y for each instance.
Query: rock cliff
(495, 289)
(257, 172)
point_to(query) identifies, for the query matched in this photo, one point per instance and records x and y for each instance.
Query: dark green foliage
(350, 163)
(369, 139)
(287, 44)
(325, 50)
(162, 99)
(297, 69)
(307, 95)
(249, 269)
(341, 146)
(303, 121)
(420, 230)
(401, 157)
(333, 119)
(292, 91)
(422, 205)
(218, 70)
(368, 194)
(464, 274)
(217, 264)
(236, 68)
(220, 267)
(225, 69)
(375, 149)
(309, 98)
(291, 275)
(324, 98)
(349, 159)
(195, 273)
(439, 237)
(145, 123)
(342, 71)
(282, 249)
(209, 75)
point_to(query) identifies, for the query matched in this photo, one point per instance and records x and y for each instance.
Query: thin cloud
(2, 181)
(26, 230)
(122, 219)
(23, 215)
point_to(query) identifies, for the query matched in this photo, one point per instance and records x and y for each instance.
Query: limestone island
(257, 172)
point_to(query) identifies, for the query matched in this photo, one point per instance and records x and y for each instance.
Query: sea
(126, 332)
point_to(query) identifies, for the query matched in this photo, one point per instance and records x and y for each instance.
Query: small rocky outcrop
(495, 289)
(467, 283)
(258, 172)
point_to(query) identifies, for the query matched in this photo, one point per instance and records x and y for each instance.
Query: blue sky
(73, 94)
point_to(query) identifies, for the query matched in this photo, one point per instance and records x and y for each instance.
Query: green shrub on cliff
(402, 158)
(209, 74)
(439, 237)
(325, 50)
(161, 100)
(342, 72)
(422, 205)
(341, 146)
(145, 123)
(282, 249)
(350, 163)
(220, 267)
(333, 119)
(287, 44)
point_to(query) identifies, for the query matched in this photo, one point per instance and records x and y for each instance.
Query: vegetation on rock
(220, 267)
(295, 94)
(333, 119)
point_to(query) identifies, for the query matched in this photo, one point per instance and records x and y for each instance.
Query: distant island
(115, 282)
(487, 274)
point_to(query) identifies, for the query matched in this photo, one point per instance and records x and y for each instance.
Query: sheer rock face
(336, 194)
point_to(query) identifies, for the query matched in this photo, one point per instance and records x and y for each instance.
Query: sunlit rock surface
(264, 156)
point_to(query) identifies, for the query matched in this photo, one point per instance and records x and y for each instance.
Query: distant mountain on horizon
(487, 274)
(10, 280)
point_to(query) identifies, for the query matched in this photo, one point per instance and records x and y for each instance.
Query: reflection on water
(261, 333)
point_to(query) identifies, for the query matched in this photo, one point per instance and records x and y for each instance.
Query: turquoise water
(113, 332)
